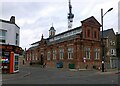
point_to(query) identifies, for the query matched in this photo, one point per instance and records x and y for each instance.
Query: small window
(48, 55)
(113, 52)
(55, 38)
(2, 41)
(70, 53)
(113, 43)
(61, 53)
(2, 33)
(96, 53)
(95, 34)
(74, 32)
(33, 56)
(54, 54)
(78, 31)
(2, 36)
(87, 53)
(88, 33)
(36, 56)
(17, 38)
(71, 33)
(51, 33)
(64, 35)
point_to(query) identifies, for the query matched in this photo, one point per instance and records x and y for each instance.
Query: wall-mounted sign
(10, 48)
(84, 60)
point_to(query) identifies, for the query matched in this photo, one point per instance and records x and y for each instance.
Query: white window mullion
(70, 53)
(48, 55)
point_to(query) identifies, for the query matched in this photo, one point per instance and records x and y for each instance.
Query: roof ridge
(108, 29)
(6, 21)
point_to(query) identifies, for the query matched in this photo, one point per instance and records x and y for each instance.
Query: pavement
(20, 74)
(107, 70)
(110, 71)
(63, 69)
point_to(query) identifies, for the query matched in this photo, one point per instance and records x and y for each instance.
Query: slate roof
(35, 42)
(60, 40)
(106, 32)
(52, 28)
(66, 31)
(8, 22)
(31, 48)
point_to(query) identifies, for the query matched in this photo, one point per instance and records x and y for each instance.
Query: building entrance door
(42, 59)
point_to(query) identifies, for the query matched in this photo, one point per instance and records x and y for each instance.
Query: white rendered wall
(11, 29)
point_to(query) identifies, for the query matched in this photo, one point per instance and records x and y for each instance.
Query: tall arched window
(48, 55)
(61, 53)
(70, 53)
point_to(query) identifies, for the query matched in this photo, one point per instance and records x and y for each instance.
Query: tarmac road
(38, 75)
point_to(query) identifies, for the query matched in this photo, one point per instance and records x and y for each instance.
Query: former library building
(79, 47)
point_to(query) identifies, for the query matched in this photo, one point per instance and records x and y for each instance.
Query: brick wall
(89, 39)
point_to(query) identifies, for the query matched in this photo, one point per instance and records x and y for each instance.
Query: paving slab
(15, 75)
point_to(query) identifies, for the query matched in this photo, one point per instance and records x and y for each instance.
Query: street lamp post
(102, 37)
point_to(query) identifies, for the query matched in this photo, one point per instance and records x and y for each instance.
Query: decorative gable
(91, 29)
(91, 21)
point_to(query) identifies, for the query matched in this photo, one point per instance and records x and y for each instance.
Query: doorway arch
(42, 59)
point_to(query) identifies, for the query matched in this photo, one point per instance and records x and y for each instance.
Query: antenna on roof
(70, 16)
(52, 24)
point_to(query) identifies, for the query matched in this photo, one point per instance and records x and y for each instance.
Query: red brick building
(80, 46)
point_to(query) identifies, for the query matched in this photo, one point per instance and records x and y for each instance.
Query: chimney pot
(12, 19)
(116, 33)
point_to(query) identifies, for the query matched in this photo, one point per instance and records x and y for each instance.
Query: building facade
(9, 45)
(9, 32)
(110, 48)
(118, 48)
(80, 46)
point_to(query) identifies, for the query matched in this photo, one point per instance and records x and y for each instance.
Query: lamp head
(110, 9)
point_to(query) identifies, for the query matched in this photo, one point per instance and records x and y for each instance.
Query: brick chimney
(116, 33)
(12, 19)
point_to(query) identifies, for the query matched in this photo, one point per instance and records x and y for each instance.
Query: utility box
(71, 66)
(60, 64)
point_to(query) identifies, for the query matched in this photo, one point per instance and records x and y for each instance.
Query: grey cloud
(22, 9)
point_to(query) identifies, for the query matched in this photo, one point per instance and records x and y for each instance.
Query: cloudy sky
(35, 17)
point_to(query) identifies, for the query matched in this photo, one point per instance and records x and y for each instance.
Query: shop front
(9, 58)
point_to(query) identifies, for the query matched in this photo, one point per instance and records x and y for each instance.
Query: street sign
(84, 59)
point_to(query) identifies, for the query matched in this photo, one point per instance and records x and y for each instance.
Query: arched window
(70, 53)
